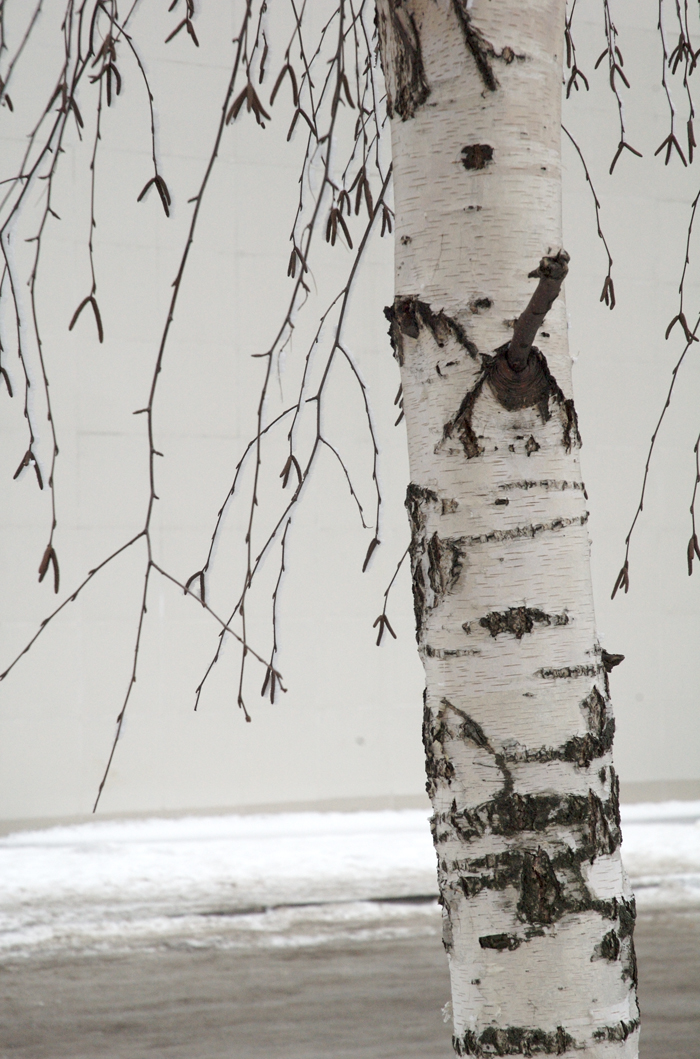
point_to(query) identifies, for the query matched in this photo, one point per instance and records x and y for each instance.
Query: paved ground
(378, 1000)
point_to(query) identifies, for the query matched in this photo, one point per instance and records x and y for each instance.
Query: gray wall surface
(347, 732)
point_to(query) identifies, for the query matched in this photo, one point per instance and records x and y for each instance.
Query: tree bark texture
(537, 912)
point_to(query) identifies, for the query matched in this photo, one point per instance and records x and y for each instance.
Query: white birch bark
(538, 915)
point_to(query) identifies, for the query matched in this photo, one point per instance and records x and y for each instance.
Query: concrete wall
(348, 730)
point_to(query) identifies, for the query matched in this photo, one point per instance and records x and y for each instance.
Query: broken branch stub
(518, 376)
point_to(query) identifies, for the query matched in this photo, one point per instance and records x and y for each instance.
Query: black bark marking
(407, 315)
(402, 60)
(477, 156)
(619, 1032)
(546, 483)
(462, 422)
(500, 942)
(447, 931)
(480, 304)
(519, 620)
(520, 532)
(531, 446)
(477, 44)
(570, 672)
(514, 1040)
(509, 814)
(446, 652)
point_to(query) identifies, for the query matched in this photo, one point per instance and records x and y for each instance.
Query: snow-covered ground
(273, 880)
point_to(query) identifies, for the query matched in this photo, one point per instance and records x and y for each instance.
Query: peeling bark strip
(407, 315)
(402, 59)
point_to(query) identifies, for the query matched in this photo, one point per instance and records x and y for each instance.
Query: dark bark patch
(531, 446)
(477, 155)
(436, 562)
(519, 621)
(402, 59)
(500, 942)
(609, 948)
(480, 304)
(582, 750)
(619, 1032)
(514, 1040)
(407, 315)
(510, 814)
(541, 900)
(438, 767)
(572, 434)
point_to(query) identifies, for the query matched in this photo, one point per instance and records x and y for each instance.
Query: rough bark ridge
(518, 727)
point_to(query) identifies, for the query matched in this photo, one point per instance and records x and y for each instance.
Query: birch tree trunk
(537, 912)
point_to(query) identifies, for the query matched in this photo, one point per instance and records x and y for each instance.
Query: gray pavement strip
(348, 999)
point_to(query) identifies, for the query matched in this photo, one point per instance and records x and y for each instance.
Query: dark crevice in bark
(405, 317)
(514, 1040)
(520, 620)
(402, 59)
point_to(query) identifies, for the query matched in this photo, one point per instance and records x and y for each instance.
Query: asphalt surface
(380, 999)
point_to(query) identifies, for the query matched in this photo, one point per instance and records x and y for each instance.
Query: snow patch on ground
(271, 880)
